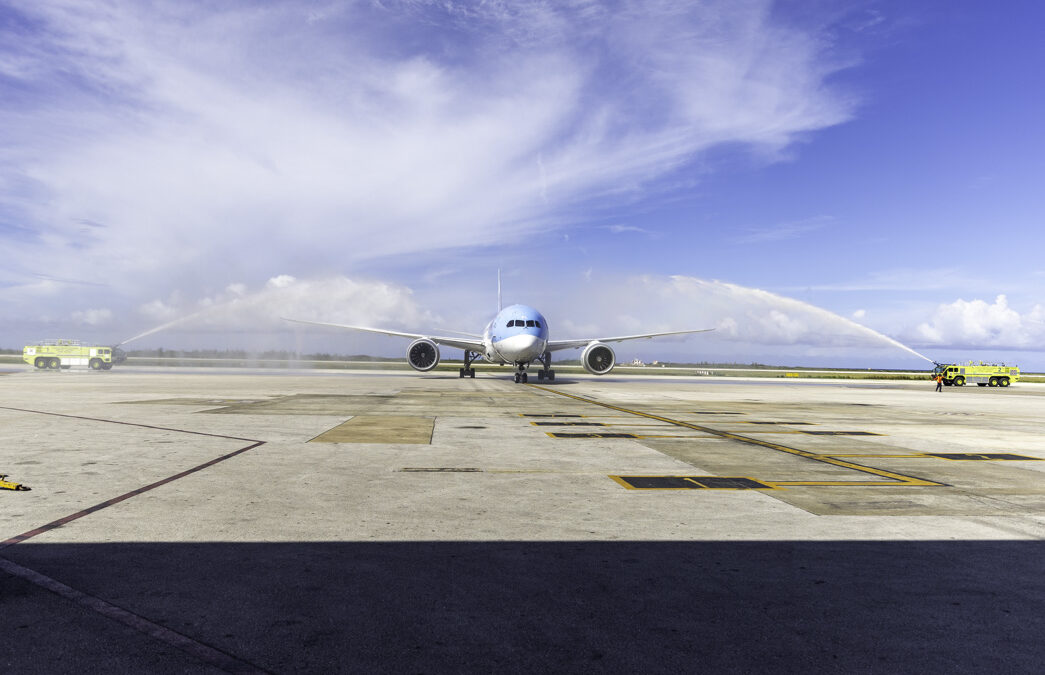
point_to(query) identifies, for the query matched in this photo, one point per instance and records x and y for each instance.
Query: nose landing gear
(544, 374)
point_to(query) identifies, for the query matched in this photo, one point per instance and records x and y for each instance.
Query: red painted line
(116, 500)
(201, 651)
(205, 653)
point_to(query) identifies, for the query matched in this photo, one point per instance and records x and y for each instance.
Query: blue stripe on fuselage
(525, 321)
(499, 328)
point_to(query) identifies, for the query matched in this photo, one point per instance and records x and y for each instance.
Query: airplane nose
(527, 346)
(523, 347)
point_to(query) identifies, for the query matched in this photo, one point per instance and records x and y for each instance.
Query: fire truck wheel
(959, 381)
(40, 363)
(993, 382)
(1003, 382)
(96, 364)
(54, 364)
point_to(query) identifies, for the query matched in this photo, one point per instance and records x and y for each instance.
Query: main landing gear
(468, 371)
(545, 373)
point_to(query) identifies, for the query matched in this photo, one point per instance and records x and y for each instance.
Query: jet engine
(423, 354)
(598, 359)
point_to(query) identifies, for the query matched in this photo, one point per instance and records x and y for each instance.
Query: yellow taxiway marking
(598, 424)
(900, 478)
(838, 483)
(918, 456)
(609, 435)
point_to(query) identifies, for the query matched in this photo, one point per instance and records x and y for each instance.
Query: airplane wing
(475, 345)
(556, 345)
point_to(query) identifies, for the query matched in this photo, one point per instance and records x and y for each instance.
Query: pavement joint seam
(899, 478)
(199, 650)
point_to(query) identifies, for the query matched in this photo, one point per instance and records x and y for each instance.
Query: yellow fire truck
(983, 374)
(55, 354)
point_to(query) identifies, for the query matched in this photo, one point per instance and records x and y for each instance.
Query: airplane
(517, 335)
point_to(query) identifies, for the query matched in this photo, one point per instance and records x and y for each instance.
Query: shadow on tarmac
(535, 607)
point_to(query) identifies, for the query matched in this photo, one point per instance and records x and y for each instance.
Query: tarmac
(185, 520)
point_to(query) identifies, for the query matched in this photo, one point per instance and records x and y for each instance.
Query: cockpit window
(511, 324)
(529, 323)
(538, 323)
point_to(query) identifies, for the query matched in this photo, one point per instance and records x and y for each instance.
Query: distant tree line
(270, 355)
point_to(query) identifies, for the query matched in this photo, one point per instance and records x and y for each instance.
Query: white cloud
(158, 310)
(982, 324)
(783, 231)
(618, 229)
(281, 281)
(92, 317)
(905, 280)
(206, 142)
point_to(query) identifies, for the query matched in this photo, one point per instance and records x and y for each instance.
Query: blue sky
(629, 165)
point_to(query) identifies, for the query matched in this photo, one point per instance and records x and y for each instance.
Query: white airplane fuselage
(517, 335)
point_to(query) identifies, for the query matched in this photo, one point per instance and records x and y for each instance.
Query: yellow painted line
(600, 425)
(760, 423)
(773, 431)
(594, 436)
(625, 484)
(901, 478)
(837, 483)
(918, 456)
(539, 423)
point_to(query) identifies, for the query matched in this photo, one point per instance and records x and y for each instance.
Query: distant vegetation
(240, 354)
(288, 359)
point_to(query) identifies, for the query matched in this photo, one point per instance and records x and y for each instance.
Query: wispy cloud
(619, 229)
(903, 280)
(783, 231)
(92, 317)
(207, 142)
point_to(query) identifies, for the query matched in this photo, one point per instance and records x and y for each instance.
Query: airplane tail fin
(498, 289)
